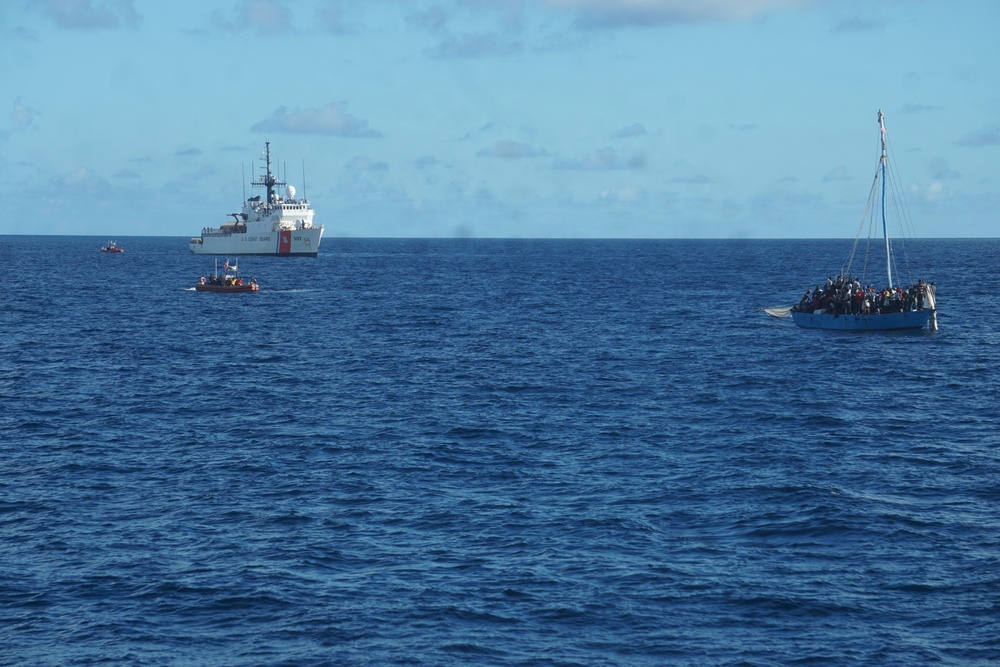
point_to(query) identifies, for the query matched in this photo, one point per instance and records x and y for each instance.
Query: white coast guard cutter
(272, 225)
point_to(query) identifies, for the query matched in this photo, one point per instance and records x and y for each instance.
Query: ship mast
(268, 181)
(885, 228)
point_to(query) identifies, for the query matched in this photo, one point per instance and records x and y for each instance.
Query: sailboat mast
(885, 228)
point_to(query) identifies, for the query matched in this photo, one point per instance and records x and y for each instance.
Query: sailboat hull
(914, 319)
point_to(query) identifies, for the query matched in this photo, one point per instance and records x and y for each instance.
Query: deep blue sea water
(492, 452)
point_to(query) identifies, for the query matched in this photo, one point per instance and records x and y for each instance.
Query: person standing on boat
(805, 302)
(921, 291)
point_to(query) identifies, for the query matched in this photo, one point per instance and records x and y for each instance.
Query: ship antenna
(243, 174)
(304, 179)
(270, 179)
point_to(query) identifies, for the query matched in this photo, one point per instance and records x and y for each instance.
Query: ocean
(492, 452)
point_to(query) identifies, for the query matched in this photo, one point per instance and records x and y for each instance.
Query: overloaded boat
(276, 225)
(112, 247)
(227, 281)
(853, 303)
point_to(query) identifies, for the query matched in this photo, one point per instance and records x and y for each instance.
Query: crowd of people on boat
(847, 296)
(227, 281)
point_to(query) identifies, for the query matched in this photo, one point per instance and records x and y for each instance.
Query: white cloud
(603, 159)
(426, 161)
(475, 45)
(190, 182)
(432, 19)
(267, 17)
(931, 193)
(492, 127)
(510, 150)
(329, 120)
(934, 191)
(837, 174)
(860, 24)
(633, 130)
(629, 193)
(918, 108)
(83, 179)
(697, 179)
(365, 163)
(989, 137)
(88, 14)
(21, 118)
(617, 13)
(332, 15)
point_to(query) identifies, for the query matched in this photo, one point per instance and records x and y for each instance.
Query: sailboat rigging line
(905, 215)
(870, 211)
(867, 215)
(901, 207)
(900, 240)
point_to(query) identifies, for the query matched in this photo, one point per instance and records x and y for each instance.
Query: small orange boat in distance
(113, 247)
(227, 281)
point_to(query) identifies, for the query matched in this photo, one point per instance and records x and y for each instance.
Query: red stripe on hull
(284, 242)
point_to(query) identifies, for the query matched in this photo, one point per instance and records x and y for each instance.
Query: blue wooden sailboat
(852, 304)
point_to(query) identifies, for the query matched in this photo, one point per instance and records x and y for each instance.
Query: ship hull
(232, 289)
(285, 243)
(914, 319)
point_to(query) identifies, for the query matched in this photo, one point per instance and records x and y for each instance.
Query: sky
(500, 118)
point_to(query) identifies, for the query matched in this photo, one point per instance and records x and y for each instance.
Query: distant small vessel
(227, 281)
(850, 303)
(281, 226)
(112, 247)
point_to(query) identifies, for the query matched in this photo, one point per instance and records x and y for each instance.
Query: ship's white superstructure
(268, 225)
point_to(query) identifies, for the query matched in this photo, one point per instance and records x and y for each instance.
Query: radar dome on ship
(290, 192)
